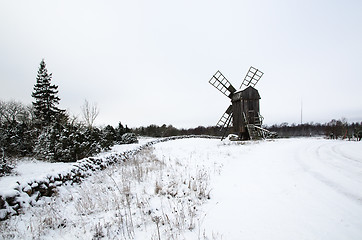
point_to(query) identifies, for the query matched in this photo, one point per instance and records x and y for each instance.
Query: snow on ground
(31, 170)
(304, 188)
(127, 147)
(289, 189)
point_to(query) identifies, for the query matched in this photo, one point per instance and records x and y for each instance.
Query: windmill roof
(248, 93)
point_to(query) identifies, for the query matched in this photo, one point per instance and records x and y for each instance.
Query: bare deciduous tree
(14, 111)
(89, 112)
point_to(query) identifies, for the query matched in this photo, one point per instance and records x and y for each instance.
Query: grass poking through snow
(141, 198)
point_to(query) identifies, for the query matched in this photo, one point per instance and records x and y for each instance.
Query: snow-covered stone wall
(28, 193)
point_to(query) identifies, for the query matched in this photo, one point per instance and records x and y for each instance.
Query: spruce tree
(46, 99)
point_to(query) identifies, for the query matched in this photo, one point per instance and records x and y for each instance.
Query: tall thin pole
(301, 111)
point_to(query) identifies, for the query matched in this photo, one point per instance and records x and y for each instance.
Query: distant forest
(337, 129)
(333, 129)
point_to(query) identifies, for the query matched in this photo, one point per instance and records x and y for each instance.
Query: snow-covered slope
(207, 189)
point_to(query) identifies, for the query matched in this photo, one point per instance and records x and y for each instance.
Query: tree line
(169, 130)
(334, 129)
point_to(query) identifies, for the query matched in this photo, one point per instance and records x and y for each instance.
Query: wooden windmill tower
(243, 114)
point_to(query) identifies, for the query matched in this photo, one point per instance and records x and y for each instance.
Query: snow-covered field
(207, 189)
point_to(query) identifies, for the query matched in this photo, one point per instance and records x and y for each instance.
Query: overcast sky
(149, 62)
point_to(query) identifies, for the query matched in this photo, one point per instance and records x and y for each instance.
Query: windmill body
(245, 105)
(243, 115)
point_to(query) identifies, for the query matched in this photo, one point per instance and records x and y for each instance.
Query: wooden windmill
(243, 114)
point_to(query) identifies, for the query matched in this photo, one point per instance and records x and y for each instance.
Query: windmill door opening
(251, 116)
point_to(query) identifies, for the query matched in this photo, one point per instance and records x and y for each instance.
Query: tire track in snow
(338, 151)
(284, 189)
(323, 162)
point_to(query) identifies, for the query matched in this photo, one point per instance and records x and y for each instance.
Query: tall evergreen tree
(46, 99)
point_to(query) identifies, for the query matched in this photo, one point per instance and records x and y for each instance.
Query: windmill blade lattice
(252, 77)
(222, 84)
(225, 119)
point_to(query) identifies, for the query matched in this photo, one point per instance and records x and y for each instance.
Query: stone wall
(28, 193)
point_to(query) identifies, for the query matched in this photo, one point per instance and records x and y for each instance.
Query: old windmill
(243, 114)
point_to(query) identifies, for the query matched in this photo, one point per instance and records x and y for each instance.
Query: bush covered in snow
(129, 138)
(69, 143)
(5, 168)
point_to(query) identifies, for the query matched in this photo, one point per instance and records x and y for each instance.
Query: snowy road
(289, 189)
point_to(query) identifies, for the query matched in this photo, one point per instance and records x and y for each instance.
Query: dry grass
(142, 194)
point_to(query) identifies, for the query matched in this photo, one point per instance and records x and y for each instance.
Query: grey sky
(149, 62)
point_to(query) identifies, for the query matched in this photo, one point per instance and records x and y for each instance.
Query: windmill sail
(252, 77)
(222, 84)
(225, 121)
(225, 118)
